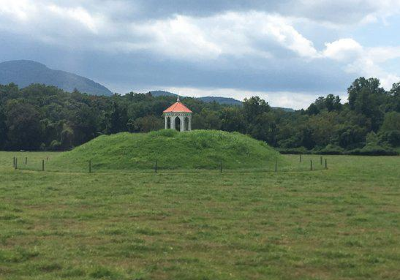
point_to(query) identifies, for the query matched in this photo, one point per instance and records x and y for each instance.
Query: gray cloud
(260, 46)
(339, 11)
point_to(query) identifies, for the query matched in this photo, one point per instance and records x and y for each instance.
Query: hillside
(26, 72)
(218, 99)
(203, 149)
(157, 93)
(221, 100)
(207, 99)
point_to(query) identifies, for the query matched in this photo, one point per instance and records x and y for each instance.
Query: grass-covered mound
(171, 149)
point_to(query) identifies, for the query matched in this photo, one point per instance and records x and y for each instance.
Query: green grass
(198, 149)
(340, 223)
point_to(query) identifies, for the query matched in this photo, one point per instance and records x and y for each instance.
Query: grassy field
(340, 223)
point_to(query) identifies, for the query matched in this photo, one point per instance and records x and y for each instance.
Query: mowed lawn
(340, 223)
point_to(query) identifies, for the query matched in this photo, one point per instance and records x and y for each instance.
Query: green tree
(313, 109)
(207, 119)
(391, 122)
(147, 124)
(367, 97)
(332, 103)
(67, 137)
(3, 129)
(369, 86)
(350, 137)
(253, 107)
(232, 119)
(24, 128)
(394, 102)
(264, 128)
(323, 127)
(305, 136)
(117, 119)
(329, 103)
(84, 123)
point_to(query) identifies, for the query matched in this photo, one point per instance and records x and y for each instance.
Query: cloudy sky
(286, 51)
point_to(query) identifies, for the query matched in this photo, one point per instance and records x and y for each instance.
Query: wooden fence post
(311, 167)
(16, 163)
(321, 159)
(26, 160)
(13, 162)
(42, 165)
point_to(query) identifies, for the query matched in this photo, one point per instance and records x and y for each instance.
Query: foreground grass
(339, 223)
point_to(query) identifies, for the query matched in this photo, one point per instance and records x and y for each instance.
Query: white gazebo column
(182, 119)
(166, 122)
(173, 122)
(186, 123)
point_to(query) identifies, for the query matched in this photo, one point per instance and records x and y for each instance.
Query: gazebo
(178, 117)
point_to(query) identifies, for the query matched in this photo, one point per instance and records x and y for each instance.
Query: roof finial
(177, 100)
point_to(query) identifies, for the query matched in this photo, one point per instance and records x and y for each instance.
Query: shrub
(55, 145)
(331, 149)
(294, 151)
(373, 150)
(391, 137)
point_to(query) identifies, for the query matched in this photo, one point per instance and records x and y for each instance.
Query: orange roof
(178, 107)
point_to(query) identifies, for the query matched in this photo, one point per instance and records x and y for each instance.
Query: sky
(288, 52)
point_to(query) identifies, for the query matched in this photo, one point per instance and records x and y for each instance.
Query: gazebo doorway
(178, 123)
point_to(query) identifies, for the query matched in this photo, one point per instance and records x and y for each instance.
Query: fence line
(223, 166)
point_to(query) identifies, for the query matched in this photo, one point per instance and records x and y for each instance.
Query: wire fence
(294, 163)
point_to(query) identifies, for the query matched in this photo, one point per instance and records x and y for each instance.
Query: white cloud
(382, 54)
(363, 61)
(343, 49)
(49, 22)
(366, 66)
(344, 12)
(235, 34)
(179, 36)
(76, 14)
(283, 32)
(18, 10)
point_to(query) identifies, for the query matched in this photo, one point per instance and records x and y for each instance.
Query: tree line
(41, 117)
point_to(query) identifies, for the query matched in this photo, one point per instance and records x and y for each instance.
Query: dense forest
(41, 117)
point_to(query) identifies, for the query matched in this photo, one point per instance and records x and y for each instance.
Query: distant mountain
(157, 93)
(26, 72)
(208, 99)
(221, 100)
(284, 109)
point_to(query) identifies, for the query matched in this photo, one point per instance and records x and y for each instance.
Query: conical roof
(178, 107)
